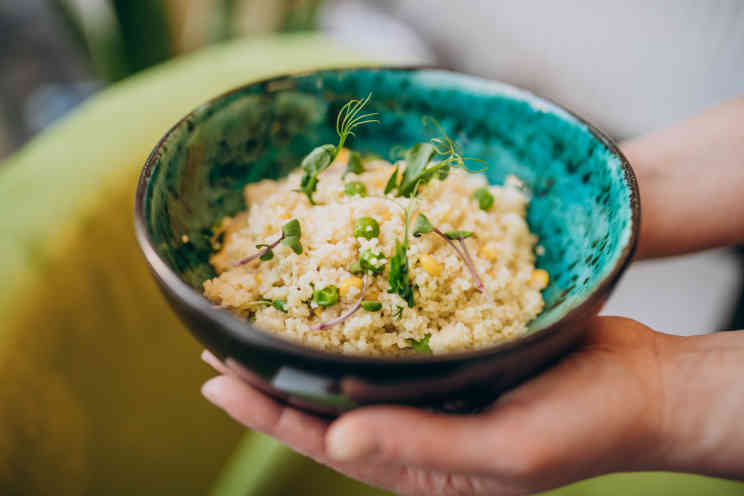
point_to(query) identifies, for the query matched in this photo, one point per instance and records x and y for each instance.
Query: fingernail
(344, 443)
(211, 360)
(211, 388)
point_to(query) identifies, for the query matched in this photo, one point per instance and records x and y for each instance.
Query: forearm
(702, 425)
(691, 179)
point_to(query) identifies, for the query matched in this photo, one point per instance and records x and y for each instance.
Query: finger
(303, 432)
(401, 435)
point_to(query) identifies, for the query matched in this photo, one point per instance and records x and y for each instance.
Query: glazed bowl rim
(246, 334)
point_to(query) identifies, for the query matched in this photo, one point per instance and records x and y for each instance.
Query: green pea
(372, 261)
(366, 227)
(371, 306)
(355, 188)
(326, 297)
(483, 197)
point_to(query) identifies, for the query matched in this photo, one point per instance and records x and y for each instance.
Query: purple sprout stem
(463, 253)
(330, 323)
(473, 271)
(260, 253)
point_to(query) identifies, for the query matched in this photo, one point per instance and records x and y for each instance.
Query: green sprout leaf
(318, 160)
(458, 234)
(371, 306)
(269, 253)
(393, 181)
(422, 226)
(292, 233)
(483, 197)
(422, 345)
(280, 305)
(294, 244)
(398, 277)
(417, 158)
(354, 165)
(313, 164)
(292, 229)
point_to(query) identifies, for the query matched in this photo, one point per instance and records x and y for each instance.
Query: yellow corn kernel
(490, 251)
(317, 311)
(539, 279)
(348, 283)
(430, 266)
(258, 279)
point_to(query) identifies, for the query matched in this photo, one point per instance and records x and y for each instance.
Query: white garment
(628, 66)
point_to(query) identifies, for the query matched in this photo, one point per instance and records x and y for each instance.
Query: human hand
(604, 408)
(690, 177)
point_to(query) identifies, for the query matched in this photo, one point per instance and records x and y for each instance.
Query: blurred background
(88, 404)
(56, 53)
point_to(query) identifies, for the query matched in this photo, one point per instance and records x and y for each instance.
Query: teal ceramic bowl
(585, 210)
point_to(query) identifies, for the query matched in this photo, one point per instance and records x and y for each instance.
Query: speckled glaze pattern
(584, 198)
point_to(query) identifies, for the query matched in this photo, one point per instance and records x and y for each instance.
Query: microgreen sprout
(421, 345)
(350, 117)
(291, 233)
(280, 305)
(446, 147)
(345, 315)
(456, 240)
(319, 159)
(420, 169)
(400, 268)
(392, 183)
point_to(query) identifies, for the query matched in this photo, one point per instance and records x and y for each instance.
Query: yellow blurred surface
(100, 383)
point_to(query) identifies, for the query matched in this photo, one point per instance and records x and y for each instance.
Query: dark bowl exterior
(464, 385)
(329, 384)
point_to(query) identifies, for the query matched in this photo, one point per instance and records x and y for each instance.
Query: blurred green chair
(99, 388)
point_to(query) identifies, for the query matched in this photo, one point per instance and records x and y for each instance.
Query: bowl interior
(582, 206)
